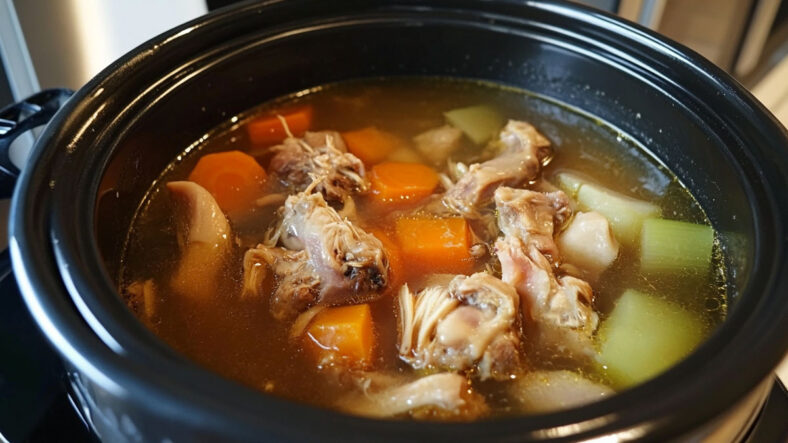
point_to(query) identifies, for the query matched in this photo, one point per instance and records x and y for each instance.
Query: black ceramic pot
(100, 153)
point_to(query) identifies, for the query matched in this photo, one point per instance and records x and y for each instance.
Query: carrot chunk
(402, 183)
(269, 129)
(432, 245)
(234, 178)
(371, 145)
(343, 335)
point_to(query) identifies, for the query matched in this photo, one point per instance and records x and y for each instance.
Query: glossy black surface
(99, 155)
(34, 405)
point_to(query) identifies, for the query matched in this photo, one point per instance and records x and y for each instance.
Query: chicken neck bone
(525, 151)
(471, 323)
(349, 262)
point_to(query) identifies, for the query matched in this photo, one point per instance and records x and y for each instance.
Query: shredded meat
(297, 284)
(470, 323)
(322, 155)
(204, 237)
(521, 161)
(532, 216)
(444, 396)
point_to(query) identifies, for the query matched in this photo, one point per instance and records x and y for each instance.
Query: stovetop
(35, 406)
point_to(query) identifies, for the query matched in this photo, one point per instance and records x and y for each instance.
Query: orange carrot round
(371, 145)
(234, 178)
(269, 130)
(402, 183)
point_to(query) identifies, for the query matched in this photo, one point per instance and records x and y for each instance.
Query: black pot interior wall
(240, 74)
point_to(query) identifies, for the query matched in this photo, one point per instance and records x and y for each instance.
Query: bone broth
(430, 249)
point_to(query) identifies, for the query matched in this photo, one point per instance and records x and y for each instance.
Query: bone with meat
(559, 308)
(326, 259)
(297, 162)
(350, 262)
(533, 217)
(525, 150)
(297, 285)
(471, 323)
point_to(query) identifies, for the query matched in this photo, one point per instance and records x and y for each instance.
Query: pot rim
(83, 341)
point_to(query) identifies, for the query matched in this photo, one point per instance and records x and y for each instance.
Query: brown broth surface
(240, 340)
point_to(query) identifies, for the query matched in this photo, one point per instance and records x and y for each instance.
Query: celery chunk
(645, 335)
(479, 123)
(671, 246)
(625, 214)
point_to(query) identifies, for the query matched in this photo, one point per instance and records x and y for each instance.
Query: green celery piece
(479, 123)
(645, 335)
(569, 182)
(624, 213)
(670, 246)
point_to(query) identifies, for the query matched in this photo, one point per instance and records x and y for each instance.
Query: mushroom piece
(204, 237)
(589, 244)
(439, 143)
(443, 396)
(550, 391)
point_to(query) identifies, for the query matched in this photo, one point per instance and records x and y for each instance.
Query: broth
(238, 337)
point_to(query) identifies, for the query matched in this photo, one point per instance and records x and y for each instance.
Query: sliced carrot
(371, 145)
(269, 129)
(402, 183)
(343, 335)
(435, 245)
(397, 276)
(234, 178)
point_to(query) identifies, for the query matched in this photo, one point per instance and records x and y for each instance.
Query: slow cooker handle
(18, 118)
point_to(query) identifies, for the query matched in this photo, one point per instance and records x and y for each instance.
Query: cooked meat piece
(297, 285)
(204, 237)
(561, 308)
(521, 161)
(439, 143)
(444, 396)
(319, 155)
(589, 244)
(550, 391)
(350, 262)
(532, 217)
(471, 322)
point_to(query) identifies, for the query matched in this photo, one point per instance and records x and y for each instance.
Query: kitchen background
(63, 43)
